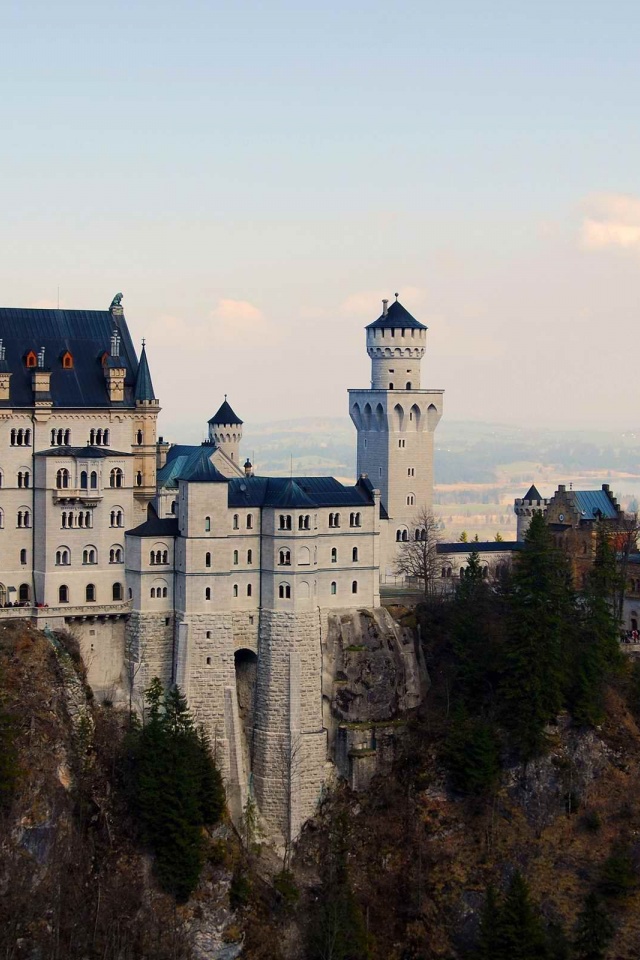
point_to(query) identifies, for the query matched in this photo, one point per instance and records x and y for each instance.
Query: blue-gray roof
(397, 317)
(593, 503)
(532, 493)
(86, 334)
(143, 388)
(198, 468)
(296, 492)
(92, 453)
(153, 526)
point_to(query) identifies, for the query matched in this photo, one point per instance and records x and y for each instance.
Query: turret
(225, 429)
(396, 343)
(526, 507)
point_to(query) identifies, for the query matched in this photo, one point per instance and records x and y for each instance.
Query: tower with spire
(144, 434)
(395, 419)
(225, 430)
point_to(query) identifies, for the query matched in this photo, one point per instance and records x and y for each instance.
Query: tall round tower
(526, 507)
(396, 419)
(396, 343)
(225, 429)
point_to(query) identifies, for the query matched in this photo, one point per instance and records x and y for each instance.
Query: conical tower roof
(144, 387)
(396, 317)
(225, 415)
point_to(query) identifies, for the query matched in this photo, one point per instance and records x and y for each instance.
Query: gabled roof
(91, 453)
(593, 503)
(295, 492)
(532, 493)
(86, 334)
(143, 388)
(225, 415)
(397, 317)
(199, 468)
(155, 527)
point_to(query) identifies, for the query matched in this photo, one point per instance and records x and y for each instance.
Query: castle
(178, 562)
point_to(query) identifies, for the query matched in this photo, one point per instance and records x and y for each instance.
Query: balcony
(72, 495)
(68, 611)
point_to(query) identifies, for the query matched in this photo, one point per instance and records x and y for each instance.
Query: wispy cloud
(611, 220)
(230, 322)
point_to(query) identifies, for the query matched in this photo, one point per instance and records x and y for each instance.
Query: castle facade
(178, 561)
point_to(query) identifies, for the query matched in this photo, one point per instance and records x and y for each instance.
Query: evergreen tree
(474, 629)
(176, 788)
(542, 612)
(520, 932)
(489, 933)
(594, 930)
(471, 753)
(595, 642)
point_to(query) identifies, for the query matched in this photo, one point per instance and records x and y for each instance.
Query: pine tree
(595, 644)
(176, 788)
(594, 930)
(542, 611)
(471, 753)
(473, 635)
(488, 936)
(520, 932)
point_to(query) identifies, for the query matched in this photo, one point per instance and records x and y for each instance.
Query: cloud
(611, 220)
(368, 303)
(230, 322)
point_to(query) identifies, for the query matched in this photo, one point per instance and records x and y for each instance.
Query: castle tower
(225, 429)
(395, 421)
(526, 507)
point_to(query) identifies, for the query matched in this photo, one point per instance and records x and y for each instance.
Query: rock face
(373, 676)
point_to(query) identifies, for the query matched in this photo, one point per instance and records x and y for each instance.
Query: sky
(255, 177)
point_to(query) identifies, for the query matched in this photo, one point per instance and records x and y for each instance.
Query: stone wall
(148, 652)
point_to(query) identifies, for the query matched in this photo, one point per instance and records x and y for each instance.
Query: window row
(90, 593)
(23, 478)
(156, 593)
(89, 555)
(71, 519)
(159, 557)
(20, 438)
(402, 534)
(99, 438)
(304, 521)
(116, 518)
(61, 438)
(248, 521)
(236, 558)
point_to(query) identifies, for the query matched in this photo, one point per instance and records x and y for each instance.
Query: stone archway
(246, 669)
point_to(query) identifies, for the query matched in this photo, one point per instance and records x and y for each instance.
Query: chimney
(385, 309)
(41, 382)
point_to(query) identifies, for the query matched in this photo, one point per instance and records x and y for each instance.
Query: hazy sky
(256, 176)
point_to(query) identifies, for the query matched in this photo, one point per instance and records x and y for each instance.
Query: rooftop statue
(117, 300)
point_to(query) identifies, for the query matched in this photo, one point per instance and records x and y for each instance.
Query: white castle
(178, 562)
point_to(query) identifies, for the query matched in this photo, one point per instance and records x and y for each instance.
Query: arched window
(284, 558)
(334, 588)
(354, 520)
(23, 556)
(83, 480)
(390, 386)
(285, 521)
(63, 593)
(354, 555)
(284, 591)
(92, 438)
(116, 477)
(152, 557)
(334, 555)
(408, 386)
(23, 478)
(236, 521)
(207, 559)
(24, 518)
(249, 556)
(90, 593)
(116, 591)
(67, 438)
(405, 536)
(1, 519)
(94, 480)
(235, 589)
(62, 479)
(207, 524)
(249, 521)
(138, 479)
(105, 438)
(248, 589)
(139, 438)
(173, 507)
(115, 555)
(354, 586)
(207, 593)
(89, 555)
(236, 558)
(152, 593)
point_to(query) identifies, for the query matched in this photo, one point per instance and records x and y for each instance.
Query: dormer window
(67, 361)
(31, 360)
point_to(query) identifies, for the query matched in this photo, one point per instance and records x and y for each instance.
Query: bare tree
(418, 557)
(290, 764)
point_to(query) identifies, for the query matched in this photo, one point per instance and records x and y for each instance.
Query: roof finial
(396, 295)
(143, 341)
(225, 396)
